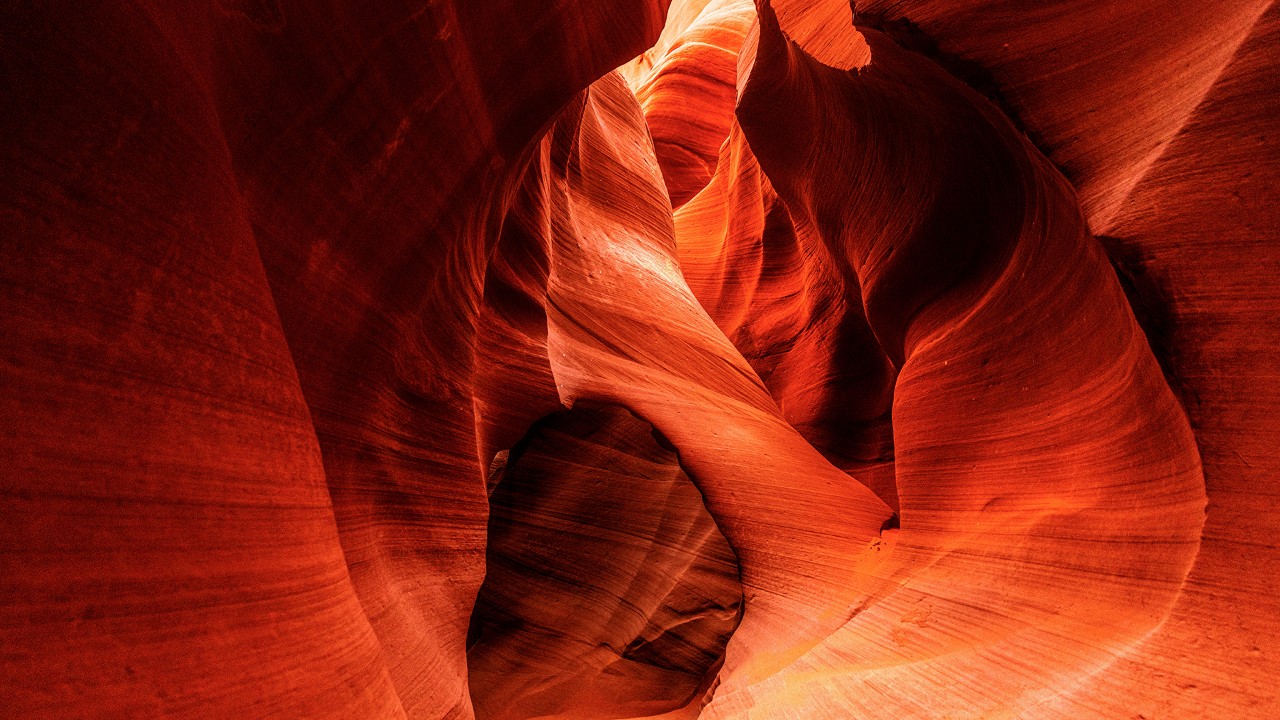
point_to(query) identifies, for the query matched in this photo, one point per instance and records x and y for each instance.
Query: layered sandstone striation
(469, 360)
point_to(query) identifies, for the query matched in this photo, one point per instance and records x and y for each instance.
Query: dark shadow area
(1151, 300)
(609, 589)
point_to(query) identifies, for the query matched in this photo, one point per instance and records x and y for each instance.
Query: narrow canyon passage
(640, 359)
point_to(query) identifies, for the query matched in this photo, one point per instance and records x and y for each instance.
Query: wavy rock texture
(633, 612)
(912, 359)
(976, 278)
(688, 96)
(185, 535)
(1104, 103)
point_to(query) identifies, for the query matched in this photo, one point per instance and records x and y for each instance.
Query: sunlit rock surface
(902, 359)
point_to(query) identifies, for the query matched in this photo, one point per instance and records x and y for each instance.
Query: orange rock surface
(909, 358)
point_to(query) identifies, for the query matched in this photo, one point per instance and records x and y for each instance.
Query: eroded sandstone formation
(469, 360)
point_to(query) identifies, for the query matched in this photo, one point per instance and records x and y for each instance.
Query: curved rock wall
(905, 359)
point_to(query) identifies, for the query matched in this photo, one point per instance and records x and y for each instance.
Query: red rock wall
(215, 215)
(402, 360)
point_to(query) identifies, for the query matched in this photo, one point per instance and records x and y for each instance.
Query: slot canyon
(669, 359)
